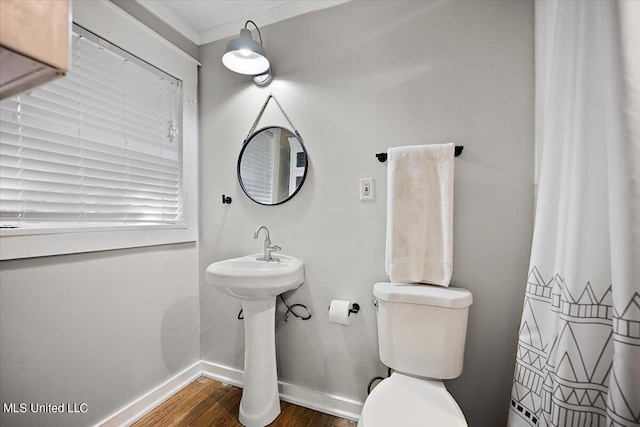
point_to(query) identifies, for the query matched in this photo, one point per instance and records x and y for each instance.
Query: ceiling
(204, 21)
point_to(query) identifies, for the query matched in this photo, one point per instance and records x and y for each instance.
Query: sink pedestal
(257, 283)
(260, 403)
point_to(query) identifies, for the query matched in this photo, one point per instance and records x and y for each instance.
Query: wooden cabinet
(34, 43)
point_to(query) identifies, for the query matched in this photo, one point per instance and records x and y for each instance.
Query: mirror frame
(304, 175)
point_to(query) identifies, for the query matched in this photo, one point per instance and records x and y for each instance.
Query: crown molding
(267, 17)
(276, 14)
(173, 20)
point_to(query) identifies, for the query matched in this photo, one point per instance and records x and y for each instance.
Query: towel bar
(382, 157)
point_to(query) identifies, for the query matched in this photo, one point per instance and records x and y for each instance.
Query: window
(125, 178)
(101, 146)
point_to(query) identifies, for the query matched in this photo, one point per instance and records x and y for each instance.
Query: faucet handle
(270, 248)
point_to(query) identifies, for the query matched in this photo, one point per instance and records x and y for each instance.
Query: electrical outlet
(367, 191)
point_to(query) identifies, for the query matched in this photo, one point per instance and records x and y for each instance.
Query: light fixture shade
(245, 56)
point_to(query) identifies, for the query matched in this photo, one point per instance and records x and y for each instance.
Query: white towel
(420, 214)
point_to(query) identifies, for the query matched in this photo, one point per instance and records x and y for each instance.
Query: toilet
(421, 336)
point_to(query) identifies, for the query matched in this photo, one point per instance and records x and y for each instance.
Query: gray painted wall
(356, 79)
(100, 328)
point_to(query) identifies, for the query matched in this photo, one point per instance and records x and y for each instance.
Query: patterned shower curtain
(578, 356)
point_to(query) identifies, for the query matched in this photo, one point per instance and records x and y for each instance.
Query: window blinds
(101, 146)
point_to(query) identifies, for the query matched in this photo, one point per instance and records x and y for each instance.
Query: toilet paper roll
(339, 312)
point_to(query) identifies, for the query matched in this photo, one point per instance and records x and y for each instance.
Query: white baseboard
(223, 373)
(324, 402)
(319, 401)
(312, 399)
(146, 403)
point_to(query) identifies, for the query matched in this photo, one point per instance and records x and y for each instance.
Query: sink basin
(257, 284)
(250, 279)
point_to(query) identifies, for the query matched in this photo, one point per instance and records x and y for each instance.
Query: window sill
(57, 228)
(31, 242)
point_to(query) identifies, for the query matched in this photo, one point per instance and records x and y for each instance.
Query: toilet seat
(401, 400)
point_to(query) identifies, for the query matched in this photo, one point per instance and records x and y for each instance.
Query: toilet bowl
(402, 400)
(421, 336)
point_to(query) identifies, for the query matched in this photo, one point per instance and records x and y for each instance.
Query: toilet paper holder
(355, 307)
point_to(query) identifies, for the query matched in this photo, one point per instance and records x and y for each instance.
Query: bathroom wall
(98, 328)
(356, 79)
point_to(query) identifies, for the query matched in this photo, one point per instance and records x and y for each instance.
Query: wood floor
(207, 402)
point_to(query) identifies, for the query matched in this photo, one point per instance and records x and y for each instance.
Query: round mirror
(272, 165)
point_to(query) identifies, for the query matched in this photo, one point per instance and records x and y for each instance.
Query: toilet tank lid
(438, 296)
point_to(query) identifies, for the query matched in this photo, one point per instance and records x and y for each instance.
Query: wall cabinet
(34, 43)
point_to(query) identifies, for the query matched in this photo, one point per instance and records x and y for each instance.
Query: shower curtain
(578, 355)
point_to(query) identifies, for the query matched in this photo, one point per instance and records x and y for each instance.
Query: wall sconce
(246, 56)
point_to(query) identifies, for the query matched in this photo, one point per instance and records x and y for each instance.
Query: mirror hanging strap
(264, 106)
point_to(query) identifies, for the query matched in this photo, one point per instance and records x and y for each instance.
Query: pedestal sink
(257, 284)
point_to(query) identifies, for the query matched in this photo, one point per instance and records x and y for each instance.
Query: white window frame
(113, 24)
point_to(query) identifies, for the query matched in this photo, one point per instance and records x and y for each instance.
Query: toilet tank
(422, 328)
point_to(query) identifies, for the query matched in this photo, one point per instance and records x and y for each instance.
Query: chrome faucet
(268, 247)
